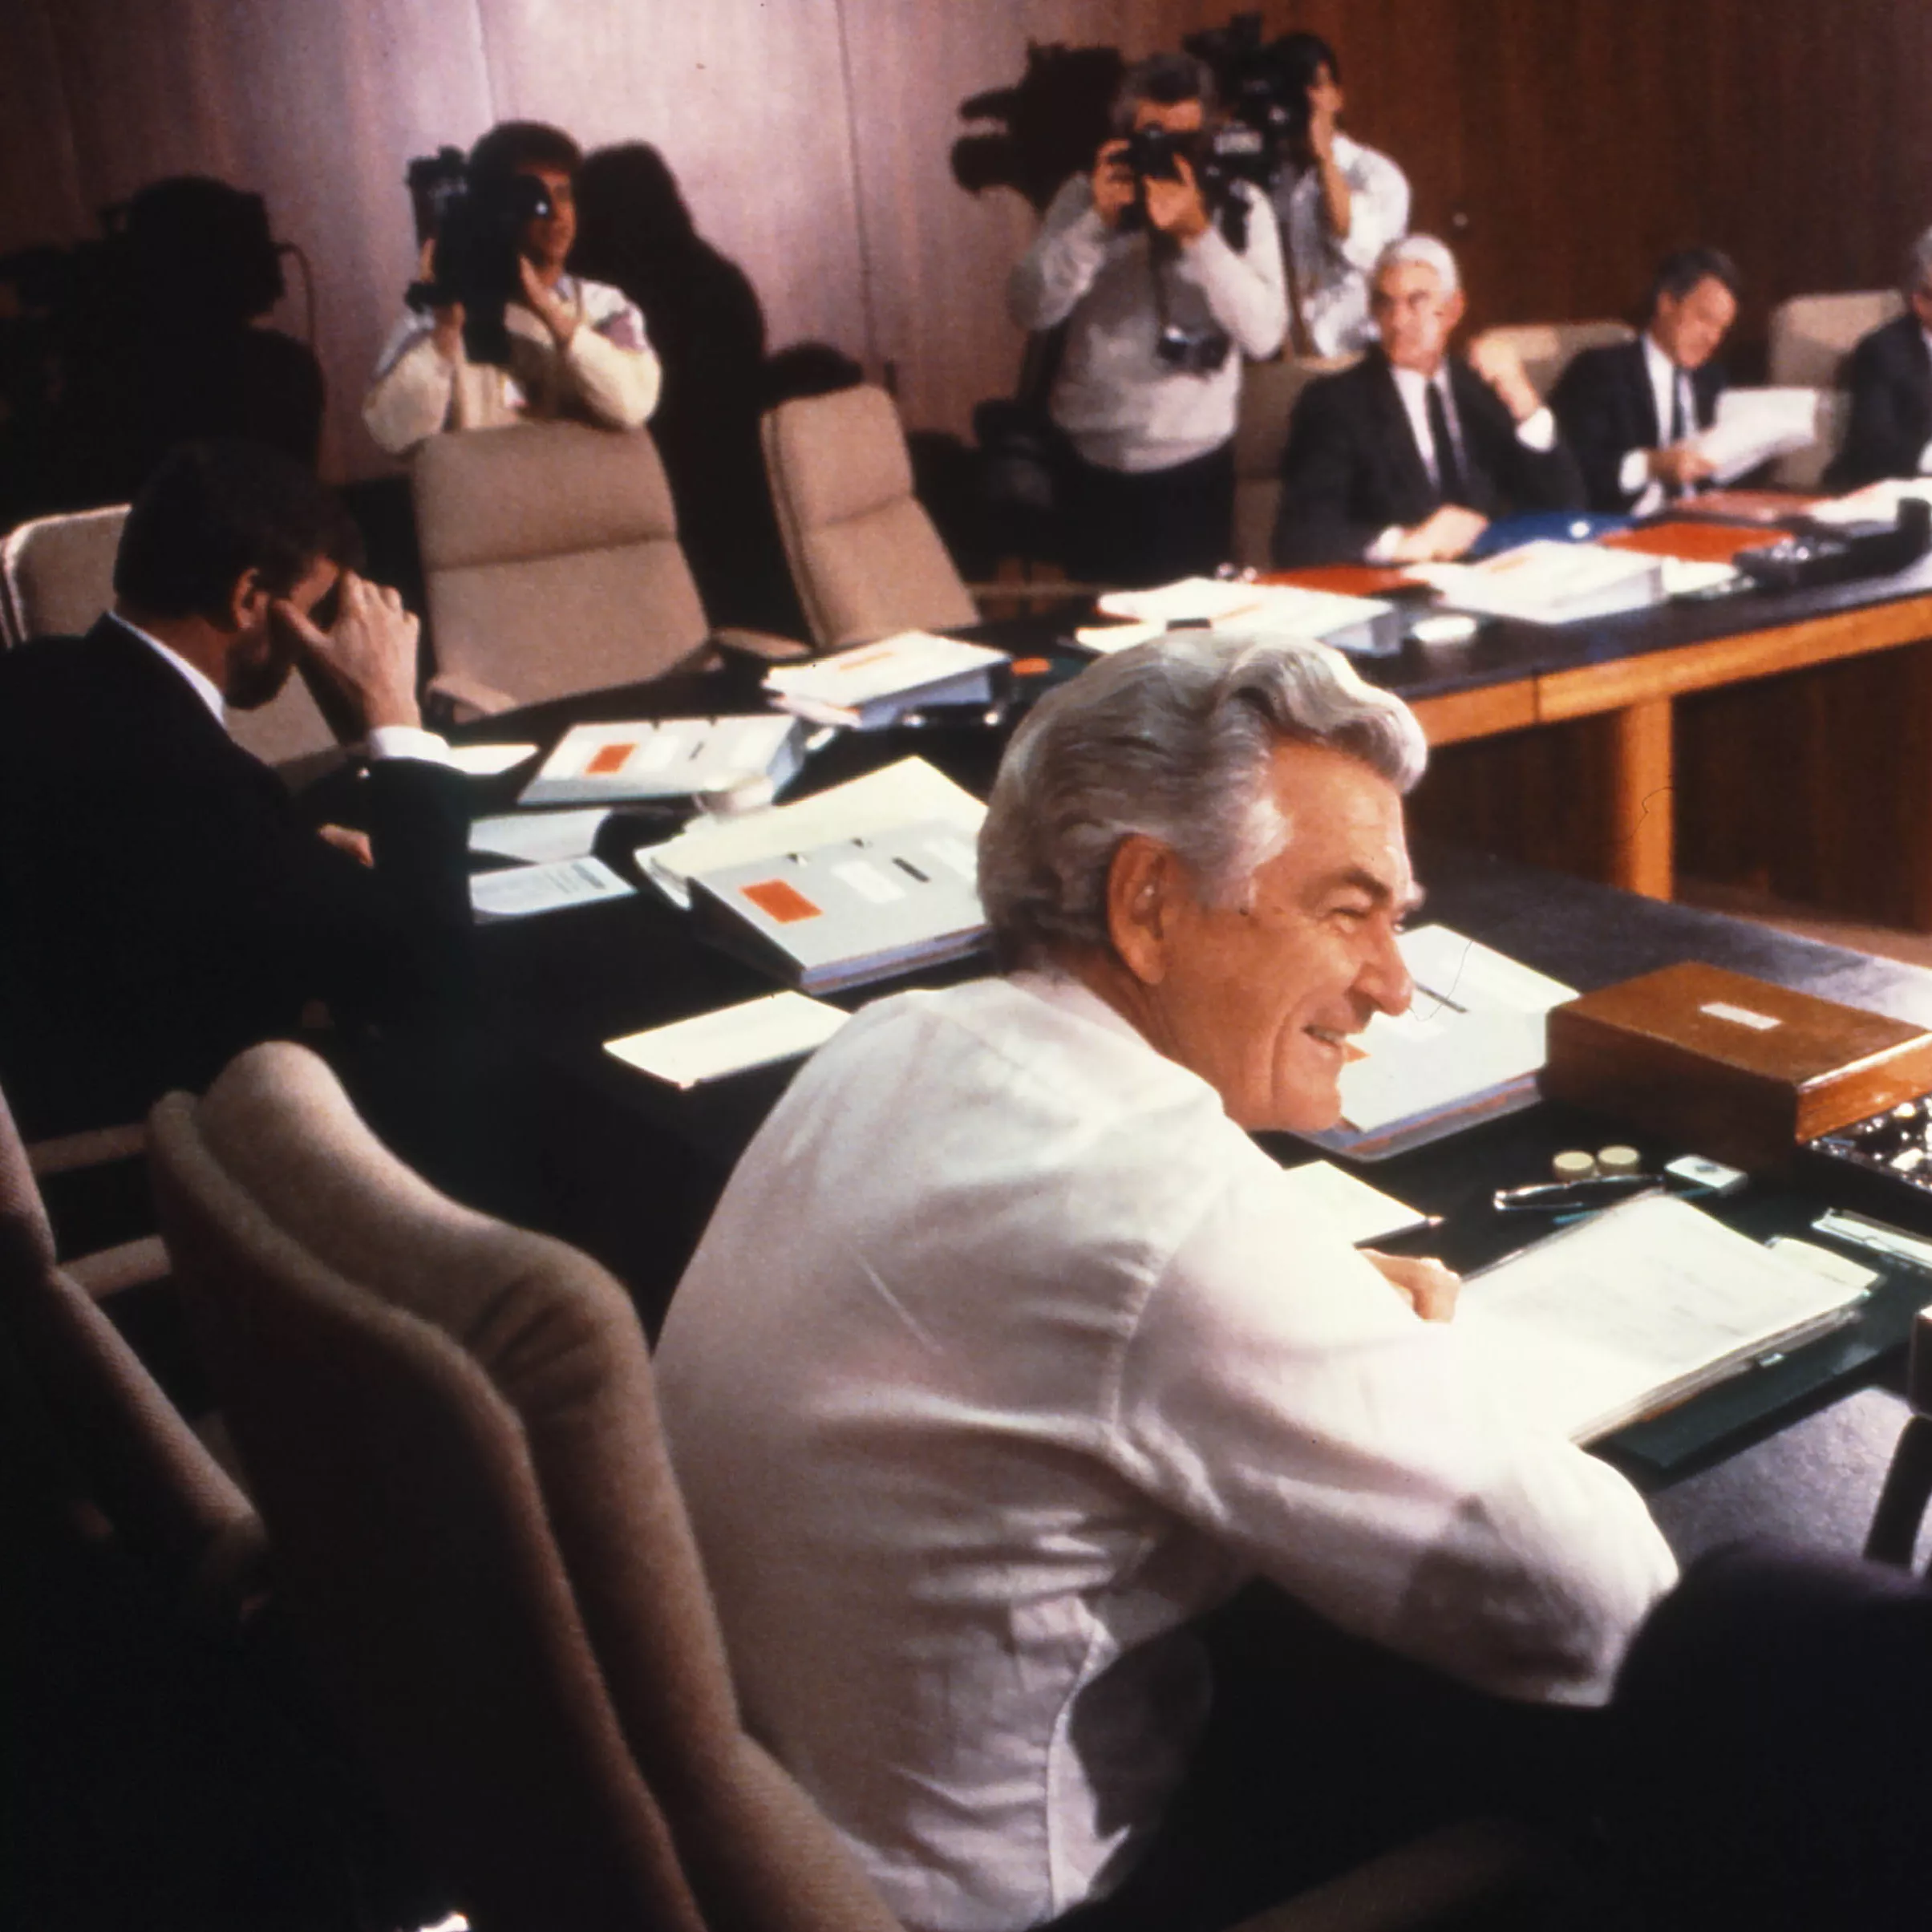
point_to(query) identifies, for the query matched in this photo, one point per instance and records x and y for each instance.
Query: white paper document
(487, 760)
(1876, 503)
(1193, 600)
(756, 1033)
(908, 792)
(666, 757)
(1103, 640)
(1633, 1309)
(1475, 1025)
(537, 838)
(522, 890)
(1264, 612)
(859, 686)
(1754, 425)
(1547, 582)
(1361, 1212)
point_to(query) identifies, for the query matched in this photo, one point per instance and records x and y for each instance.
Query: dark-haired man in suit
(1631, 411)
(1406, 457)
(163, 904)
(1889, 376)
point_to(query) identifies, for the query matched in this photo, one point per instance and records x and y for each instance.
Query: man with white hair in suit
(1406, 457)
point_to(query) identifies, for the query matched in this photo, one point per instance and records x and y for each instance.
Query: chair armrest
(761, 644)
(108, 1270)
(459, 697)
(95, 1148)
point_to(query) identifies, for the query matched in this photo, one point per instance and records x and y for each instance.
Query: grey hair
(1172, 739)
(1426, 250)
(1918, 264)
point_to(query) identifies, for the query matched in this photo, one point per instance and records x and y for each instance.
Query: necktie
(1678, 425)
(1449, 484)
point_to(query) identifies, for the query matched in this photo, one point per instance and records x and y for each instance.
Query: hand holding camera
(1114, 185)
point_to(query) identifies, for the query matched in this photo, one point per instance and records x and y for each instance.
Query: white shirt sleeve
(409, 395)
(408, 741)
(1058, 269)
(610, 362)
(1633, 471)
(1538, 432)
(1282, 1395)
(1247, 289)
(1378, 207)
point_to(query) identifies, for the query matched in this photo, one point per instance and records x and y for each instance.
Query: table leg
(1640, 803)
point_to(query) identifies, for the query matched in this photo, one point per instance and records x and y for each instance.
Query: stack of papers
(666, 757)
(538, 837)
(850, 910)
(1469, 1046)
(1550, 583)
(1636, 1308)
(1261, 611)
(524, 889)
(908, 792)
(877, 684)
(756, 1033)
(1754, 425)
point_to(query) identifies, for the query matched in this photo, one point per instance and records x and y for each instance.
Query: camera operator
(573, 348)
(1162, 289)
(1339, 208)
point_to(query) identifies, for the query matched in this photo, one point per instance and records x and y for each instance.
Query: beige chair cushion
(865, 555)
(1268, 392)
(1544, 349)
(1811, 335)
(57, 572)
(551, 559)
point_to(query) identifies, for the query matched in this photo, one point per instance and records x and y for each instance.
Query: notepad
(873, 685)
(734, 1039)
(521, 890)
(538, 837)
(1635, 1308)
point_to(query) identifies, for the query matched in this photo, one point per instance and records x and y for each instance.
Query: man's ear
(1141, 883)
(250, 600)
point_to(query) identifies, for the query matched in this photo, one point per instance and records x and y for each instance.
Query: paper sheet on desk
(908, 792)
(1476, 1022)
(487, 760)
(1631, 1310)
(1360, 1212)
(756, 1033)
(538, 837)
(523, 890)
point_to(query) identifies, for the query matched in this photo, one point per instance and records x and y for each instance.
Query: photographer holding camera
(1339, 206)
(499, 333)
(1165, 273)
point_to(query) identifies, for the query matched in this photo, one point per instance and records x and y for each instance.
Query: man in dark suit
(1406, 457)
(1631, 411)
(162, 902)
(1889, 376)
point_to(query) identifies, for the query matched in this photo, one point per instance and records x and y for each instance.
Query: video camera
(1264, 95)
(477, 224)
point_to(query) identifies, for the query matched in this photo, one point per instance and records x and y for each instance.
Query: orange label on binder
(609, 759)
(780, 900)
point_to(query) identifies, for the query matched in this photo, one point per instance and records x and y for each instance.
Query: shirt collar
(203, 685)
(1411, 383)
(1663, 369)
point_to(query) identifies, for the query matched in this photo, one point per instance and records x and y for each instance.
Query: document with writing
(1633, 1309)
(521, 890)
(734, 1040)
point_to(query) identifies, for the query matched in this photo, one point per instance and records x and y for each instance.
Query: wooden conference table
(1623, 674)
(632, 1168)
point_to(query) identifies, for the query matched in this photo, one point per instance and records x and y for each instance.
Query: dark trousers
(1323, 1750)
(1148, 527)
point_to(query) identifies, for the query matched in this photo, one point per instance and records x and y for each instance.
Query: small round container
(1574, 1164)
(1620, 1161)
(751, 792)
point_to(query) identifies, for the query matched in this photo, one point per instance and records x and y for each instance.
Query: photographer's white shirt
(1121, 406)
(608, 374)
(1331, 271)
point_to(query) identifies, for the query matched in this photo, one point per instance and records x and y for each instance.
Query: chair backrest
(100, 1426)
(56, 577)
(1811, 335)
(57, 572)
(1544, 349)
(865, 558)
(1268, 392)
(551, 560)
(451, 1429)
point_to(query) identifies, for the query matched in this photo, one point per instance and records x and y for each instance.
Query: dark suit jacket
(162, 903)
(1351, 467)
(1889, 374)
(1605, 408)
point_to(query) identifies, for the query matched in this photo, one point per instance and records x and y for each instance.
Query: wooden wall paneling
(747, 103)
(41, 198)
(315, 108)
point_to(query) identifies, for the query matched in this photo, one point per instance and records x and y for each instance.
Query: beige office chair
(865, 558)
(56, 577)
(451, 1428)
(552, 565)
(1268, 392)
(1545, 349)
(1810, 336)
(109, 1452)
